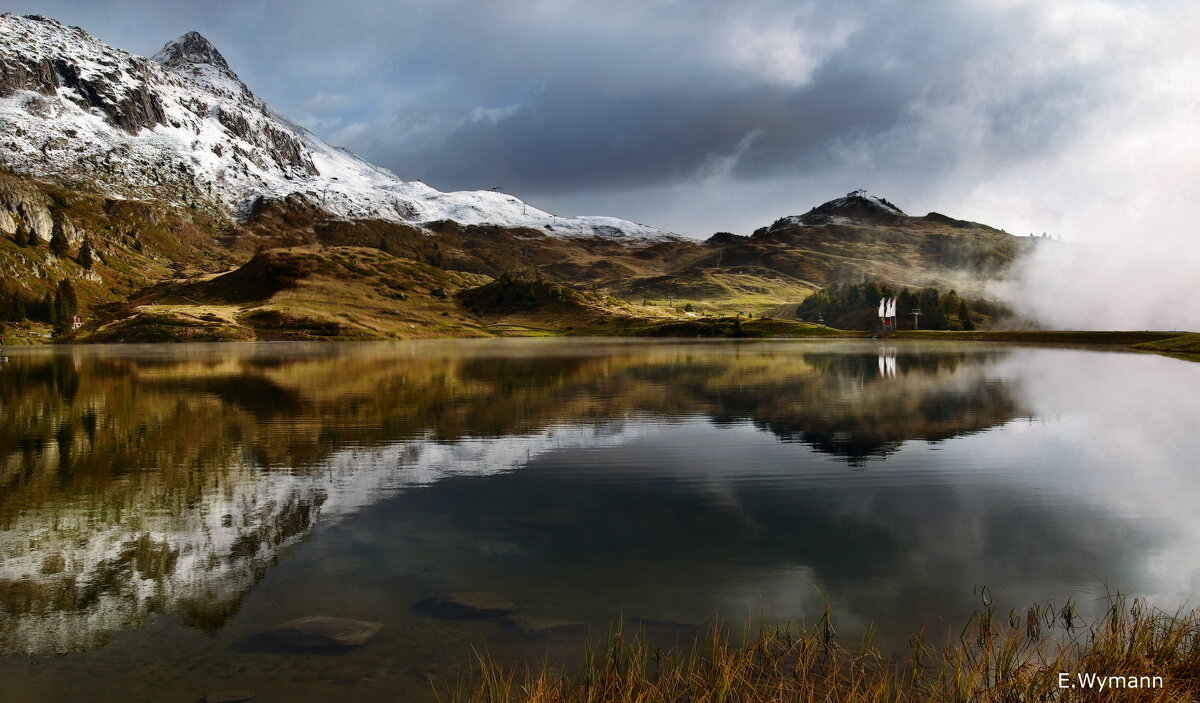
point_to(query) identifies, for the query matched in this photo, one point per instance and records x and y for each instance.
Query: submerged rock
(537, 626)
(318, 631)
(466, 605)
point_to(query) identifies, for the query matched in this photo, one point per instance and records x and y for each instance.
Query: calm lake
(163, 507)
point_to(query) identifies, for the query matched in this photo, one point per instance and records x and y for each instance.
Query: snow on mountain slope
(192, 55)
(856, 207)
(184, 128)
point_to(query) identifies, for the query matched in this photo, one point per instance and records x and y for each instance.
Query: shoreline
(1177, 344)
(1132, 653)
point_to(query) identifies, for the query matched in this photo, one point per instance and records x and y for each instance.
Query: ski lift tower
(325, 192)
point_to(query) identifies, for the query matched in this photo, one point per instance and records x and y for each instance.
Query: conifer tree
(950, 302)
(49, 309)
(929, 303)
(964, 317)
(12, 304)
(86, 257)
(65, 305)
(905, 303)
(58, 242)
(69, 304)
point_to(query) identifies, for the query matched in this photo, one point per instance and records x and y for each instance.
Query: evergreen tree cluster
(58, 308)
(25, 236)
(14, 305)
(59, 244)
(856, 306)
(64, 306)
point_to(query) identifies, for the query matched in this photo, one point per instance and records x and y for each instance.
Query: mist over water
(1130, 255)
(1138, 285)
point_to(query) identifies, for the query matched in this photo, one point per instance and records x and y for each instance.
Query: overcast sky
(1069, 116)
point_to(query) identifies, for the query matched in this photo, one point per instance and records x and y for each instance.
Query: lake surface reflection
(161, 507)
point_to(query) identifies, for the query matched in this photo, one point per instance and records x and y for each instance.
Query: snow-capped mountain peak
(184, 128)
(194, 56)
(857, 206)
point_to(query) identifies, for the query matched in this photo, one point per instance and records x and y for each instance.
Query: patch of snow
(874, 200)
(791, 220)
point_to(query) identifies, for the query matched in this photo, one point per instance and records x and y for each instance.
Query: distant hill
(846, 240)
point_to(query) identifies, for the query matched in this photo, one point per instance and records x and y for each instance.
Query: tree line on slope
(856, 306)
(56, 309)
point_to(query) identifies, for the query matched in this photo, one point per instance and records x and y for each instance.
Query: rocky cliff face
(75, 108)
(24, 207)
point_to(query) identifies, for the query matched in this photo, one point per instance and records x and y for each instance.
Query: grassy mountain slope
(1186, 346)
(44, 228)
(788, 260)
(161, 271)
(302, 293)
(591, 263)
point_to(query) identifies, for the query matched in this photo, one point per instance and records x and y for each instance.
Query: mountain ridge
(149, 175)
(184, 127)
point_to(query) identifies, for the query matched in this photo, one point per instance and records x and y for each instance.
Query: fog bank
(1151, 285)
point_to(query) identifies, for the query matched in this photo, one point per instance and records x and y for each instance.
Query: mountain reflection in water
(136, 481)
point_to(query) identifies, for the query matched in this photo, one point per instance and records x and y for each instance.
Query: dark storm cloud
(569, 138)
(630, 114)
(656, 110)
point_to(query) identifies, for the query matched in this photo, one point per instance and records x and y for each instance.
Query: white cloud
(784, 48)
(494, 114)
(1124, 186)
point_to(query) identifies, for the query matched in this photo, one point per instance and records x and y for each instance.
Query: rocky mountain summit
(194, 56)
(183, 128)
(857, 207)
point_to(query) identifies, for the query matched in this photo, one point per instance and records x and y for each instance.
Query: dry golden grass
(305, 293)
(1187, 345)
(1012, 659)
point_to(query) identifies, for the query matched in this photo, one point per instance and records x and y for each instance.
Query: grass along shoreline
(1113, 337)
(1133, 653)
(1183, 344)
(179, 324)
